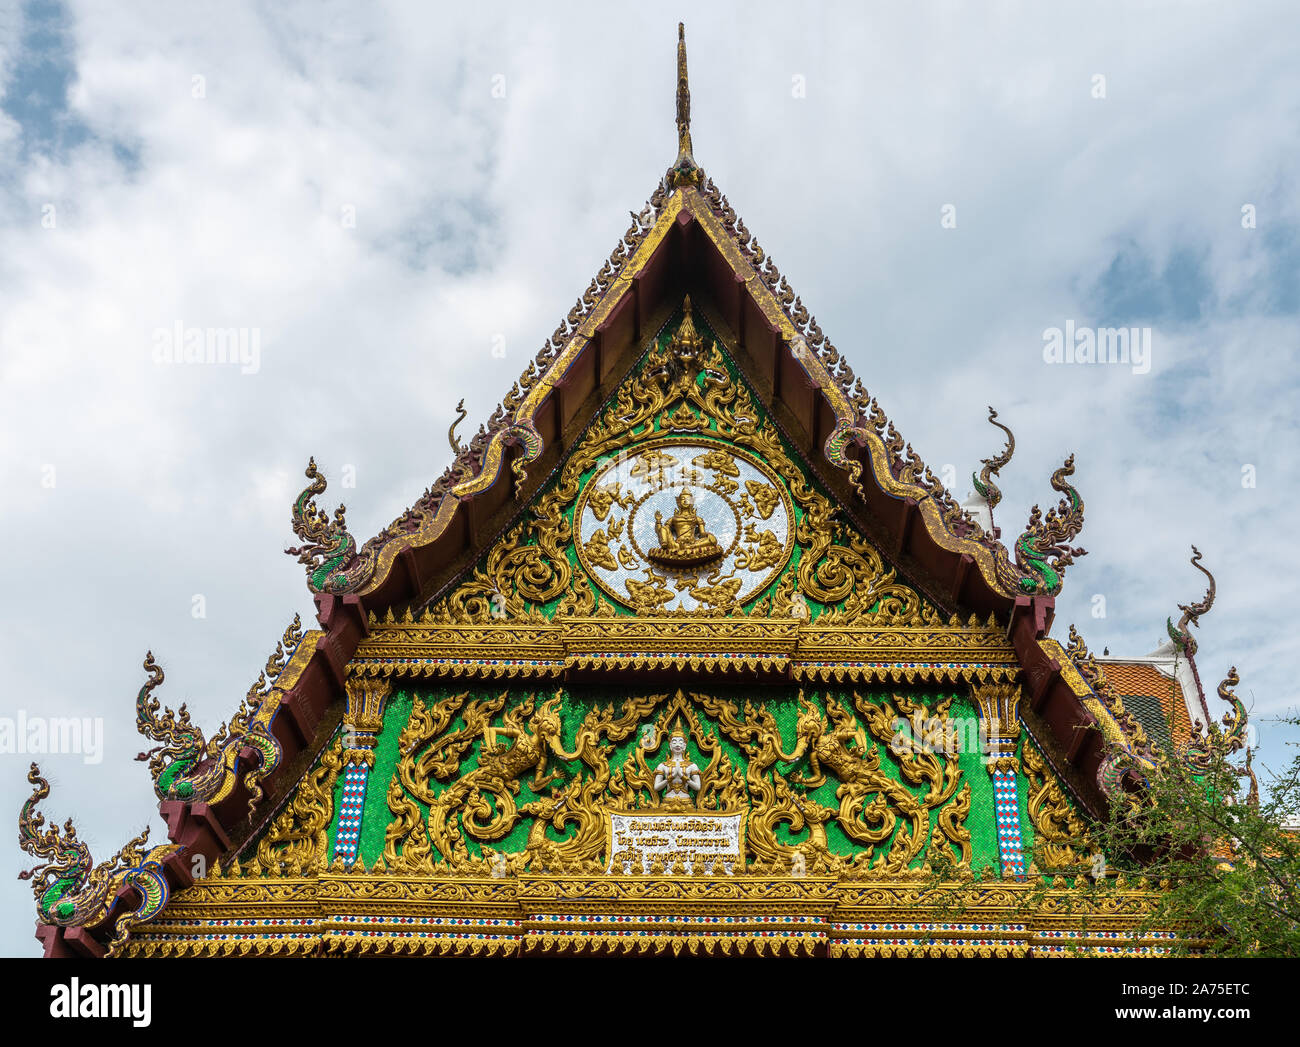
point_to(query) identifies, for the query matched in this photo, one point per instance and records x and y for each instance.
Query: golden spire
(683, 96)
(685, 171)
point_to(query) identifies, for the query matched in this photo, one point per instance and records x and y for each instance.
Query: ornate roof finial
(1047, 537)
(984, 484)
(71, 890)
(685, 171)
(683, 95)
(457, 448)
(1230, 738)
(1191, 612)
(327, 546)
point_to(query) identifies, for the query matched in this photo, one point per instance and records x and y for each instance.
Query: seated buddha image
(684, 541)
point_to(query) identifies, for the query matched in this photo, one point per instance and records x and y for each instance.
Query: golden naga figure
(684, 541)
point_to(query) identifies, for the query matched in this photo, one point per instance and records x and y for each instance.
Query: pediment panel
(683, 498)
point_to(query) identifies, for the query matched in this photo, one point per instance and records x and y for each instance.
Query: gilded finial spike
(683, 94)
(685, 171)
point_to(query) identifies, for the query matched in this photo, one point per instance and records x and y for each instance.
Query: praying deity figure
(677, 773)
(683, 539)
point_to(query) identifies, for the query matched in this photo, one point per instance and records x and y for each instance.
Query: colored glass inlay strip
(1007, 808)
(354, 797)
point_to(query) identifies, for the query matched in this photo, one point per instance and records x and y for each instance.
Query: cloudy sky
(376, 193)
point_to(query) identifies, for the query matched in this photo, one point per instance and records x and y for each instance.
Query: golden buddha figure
(684, 541)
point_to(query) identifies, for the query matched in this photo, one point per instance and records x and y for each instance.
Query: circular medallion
(684, 524)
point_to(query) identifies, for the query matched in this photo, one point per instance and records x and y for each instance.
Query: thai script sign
(692, 838)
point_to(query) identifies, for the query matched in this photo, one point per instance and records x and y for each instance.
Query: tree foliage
(1209, 850)
(1227, 865)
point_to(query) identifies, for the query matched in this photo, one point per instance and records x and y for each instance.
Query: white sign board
(693, 837)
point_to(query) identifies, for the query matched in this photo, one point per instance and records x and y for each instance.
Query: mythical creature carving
(1200, 751)
(1181, 633)
(71, 890)
(457, 447)
(327, 546)
(984, 484)
(187, 767)
(183, 745)
(1043, 552)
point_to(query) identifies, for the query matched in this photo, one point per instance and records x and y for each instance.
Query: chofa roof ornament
(71, 890)
(1179, 633)
(984, 484)
(685, 171)
(1043, 552)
